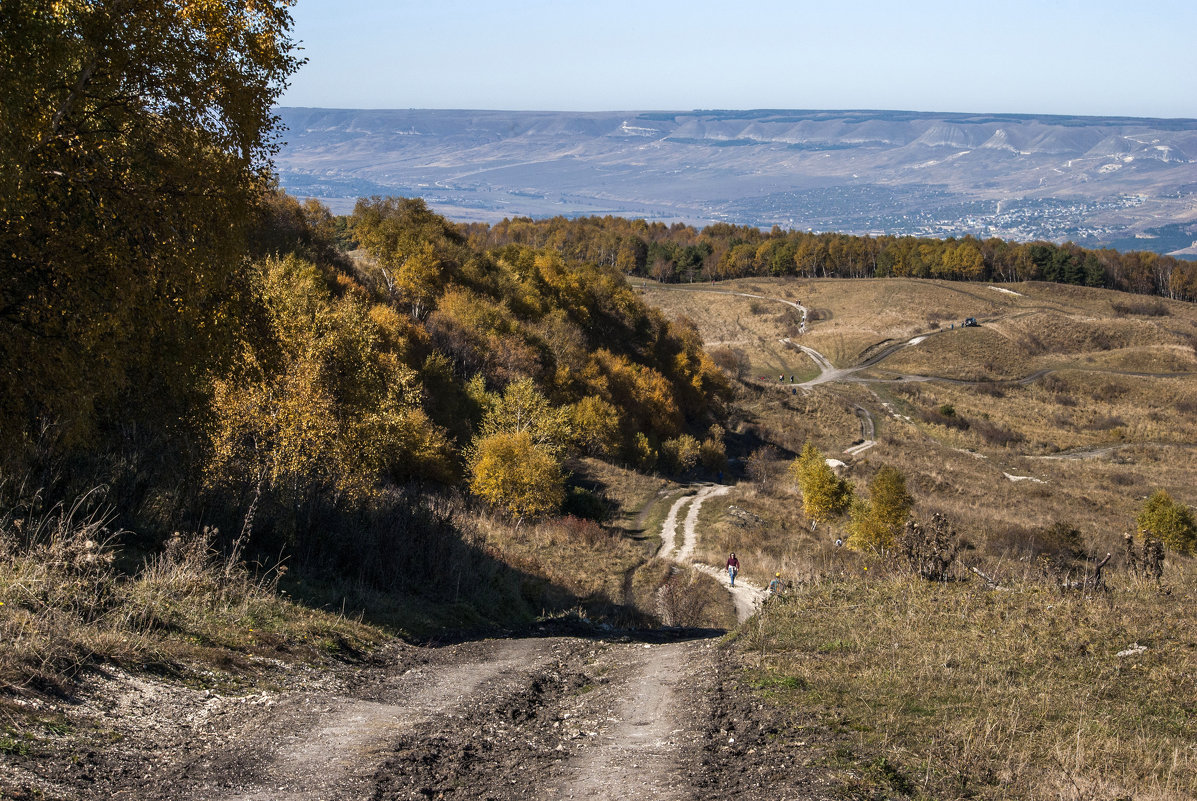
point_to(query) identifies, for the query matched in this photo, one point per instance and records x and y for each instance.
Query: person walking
(733, 567)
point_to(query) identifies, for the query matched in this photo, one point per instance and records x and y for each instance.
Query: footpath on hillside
(746, 596)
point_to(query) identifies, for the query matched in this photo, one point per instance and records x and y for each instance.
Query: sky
(1098, 57)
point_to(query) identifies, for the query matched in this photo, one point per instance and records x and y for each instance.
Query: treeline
(672, 253)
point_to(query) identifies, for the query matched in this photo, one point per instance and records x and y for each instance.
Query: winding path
(746, 596)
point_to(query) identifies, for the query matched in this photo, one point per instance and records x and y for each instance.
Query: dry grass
(63, 605)
(591, 563)
(968, 692)
(1133, 432)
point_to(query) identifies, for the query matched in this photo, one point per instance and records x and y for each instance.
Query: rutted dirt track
(746, 596)
(652, 716)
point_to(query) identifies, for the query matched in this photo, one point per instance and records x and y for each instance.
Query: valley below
(1099, 182)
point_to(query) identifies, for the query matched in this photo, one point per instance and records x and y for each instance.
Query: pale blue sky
(1018, 56)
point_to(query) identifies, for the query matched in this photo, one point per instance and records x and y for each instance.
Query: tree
(877, 522)
(1168, 521)
(824, 494)
(318, 400)
(713, 452)
(865, 531)
(595, 425)
(510, 472)
(135, 140)
(681, 453)
(890, 501)
(521, 408)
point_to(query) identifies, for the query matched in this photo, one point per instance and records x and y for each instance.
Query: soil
(660, 715)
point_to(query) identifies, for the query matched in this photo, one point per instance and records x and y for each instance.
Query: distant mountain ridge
(1126, 182)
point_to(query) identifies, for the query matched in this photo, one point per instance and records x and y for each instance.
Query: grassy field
(1067, 403)
(1066, 406)
(961, 691)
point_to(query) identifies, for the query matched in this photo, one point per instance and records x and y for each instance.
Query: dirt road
(652, 714)
(645, 715)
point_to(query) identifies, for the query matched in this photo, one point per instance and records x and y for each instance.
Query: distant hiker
(733, 567)
(775, 584)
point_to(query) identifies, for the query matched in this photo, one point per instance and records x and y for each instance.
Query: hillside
(859, 678)
(1096, 181)
(1070, 404)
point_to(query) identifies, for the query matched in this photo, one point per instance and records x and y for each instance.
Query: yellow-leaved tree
(134, 144)
(877, 522)
(824, 494)
(511, 473)
(515, 458)
(320, 399)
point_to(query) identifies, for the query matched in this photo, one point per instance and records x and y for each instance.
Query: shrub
(712, 452)
(1142, 308)
(681, 453)
(586, 504)
(994, 434)
(1108, 392)
(929, 551)
(732, 360)
(1106, 423)
(1168, 521)
(945, 416)
(761, 464)
(643, 453)
(1061, 541)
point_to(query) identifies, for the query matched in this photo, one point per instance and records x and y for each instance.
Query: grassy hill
(1085, 396)
(1038, 435)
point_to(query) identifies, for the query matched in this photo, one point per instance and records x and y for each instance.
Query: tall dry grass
(972, 692)
(65, 605)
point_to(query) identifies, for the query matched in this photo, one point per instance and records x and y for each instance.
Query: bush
(712, 452)
(945, 416)
(1168, 521)
(1142, 308)
(994, 434)
(681, 453)
(762, 464)
(586, 504)
(929, 551)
